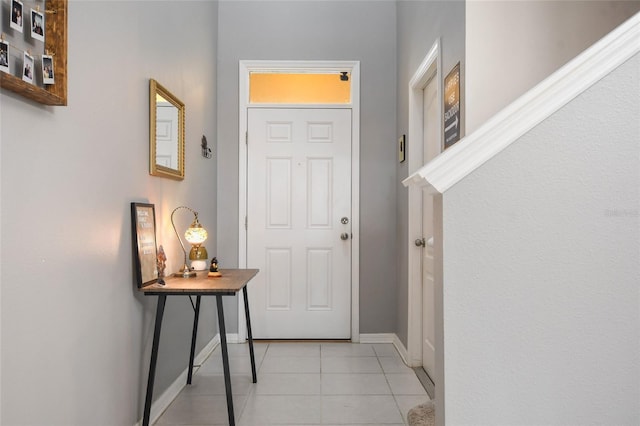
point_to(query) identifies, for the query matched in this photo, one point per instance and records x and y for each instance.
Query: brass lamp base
(185, 272)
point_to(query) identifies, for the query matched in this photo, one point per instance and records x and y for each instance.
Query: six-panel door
(299, 196)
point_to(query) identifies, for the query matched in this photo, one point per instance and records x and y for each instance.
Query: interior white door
(299, 222)
(431, 148)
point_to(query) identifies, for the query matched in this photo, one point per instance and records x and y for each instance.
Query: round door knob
(420, 242)
(344, 236)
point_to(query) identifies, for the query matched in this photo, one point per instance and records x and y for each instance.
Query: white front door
(299, 222)
(431, 148)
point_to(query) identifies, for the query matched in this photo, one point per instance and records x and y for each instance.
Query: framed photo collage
(22, 51)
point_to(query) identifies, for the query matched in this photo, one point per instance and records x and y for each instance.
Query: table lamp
(195, 235)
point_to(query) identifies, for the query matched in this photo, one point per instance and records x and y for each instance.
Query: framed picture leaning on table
(145, 253)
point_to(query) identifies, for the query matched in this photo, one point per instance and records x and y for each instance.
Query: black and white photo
(17, 12)
(27, 68)
(4, 56)
(47, 69)
(37, 25)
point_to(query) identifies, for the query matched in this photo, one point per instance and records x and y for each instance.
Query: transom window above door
(299, 88)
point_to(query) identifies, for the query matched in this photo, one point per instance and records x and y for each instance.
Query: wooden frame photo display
(39, 32)
(145, 253)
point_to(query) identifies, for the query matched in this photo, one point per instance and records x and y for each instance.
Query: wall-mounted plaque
(452, 107)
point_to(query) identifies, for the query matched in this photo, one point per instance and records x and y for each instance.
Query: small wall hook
(206, 151)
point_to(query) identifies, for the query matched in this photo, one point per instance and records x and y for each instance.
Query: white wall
(76, 334)
(513, 45)
(541, 296)
(322, 30)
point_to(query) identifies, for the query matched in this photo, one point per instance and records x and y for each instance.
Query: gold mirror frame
(155, 169)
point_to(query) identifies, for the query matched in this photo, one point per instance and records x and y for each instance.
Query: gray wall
(553, 246)
(322, 30)
(420, 23)
(76, 334)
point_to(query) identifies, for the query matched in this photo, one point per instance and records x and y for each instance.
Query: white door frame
(353, 67)
(431, 67)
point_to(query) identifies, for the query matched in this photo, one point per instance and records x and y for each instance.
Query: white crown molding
(529, 110)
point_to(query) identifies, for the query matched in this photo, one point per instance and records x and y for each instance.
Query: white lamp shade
(195, 235)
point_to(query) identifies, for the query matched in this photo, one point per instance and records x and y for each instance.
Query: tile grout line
(253, 386)
(321, 389)
(393, 394)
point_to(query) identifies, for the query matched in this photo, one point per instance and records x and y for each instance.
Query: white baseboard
(387, 338)
(162, 403)
(377, 338)
(401, 349)
(231, 338)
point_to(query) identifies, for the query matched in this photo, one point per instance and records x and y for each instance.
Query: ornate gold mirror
(166, 133)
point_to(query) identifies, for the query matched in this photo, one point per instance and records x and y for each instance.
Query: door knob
(420, 242)
(344, 236)
(344, 220)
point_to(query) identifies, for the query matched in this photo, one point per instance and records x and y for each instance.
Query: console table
(229, 284)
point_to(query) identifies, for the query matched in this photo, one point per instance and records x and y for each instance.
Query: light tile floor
(301, 384)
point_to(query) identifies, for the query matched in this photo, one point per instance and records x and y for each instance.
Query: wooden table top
(231, 281)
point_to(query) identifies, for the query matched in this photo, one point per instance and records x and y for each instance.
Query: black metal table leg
(154, 358)
(248, 318)
(194, 334)
(225, 360)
